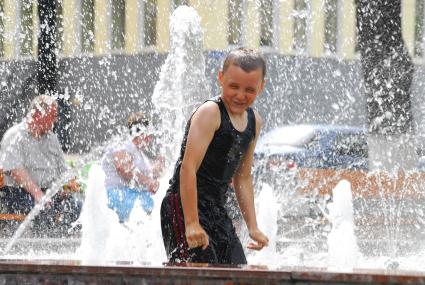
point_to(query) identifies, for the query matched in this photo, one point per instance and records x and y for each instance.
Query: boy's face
(240, 88)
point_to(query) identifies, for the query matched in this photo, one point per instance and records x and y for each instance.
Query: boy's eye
(234, 86)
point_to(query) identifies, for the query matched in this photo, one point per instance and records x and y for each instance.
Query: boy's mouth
(239, 103)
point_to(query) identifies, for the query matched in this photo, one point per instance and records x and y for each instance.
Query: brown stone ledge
(73, 272)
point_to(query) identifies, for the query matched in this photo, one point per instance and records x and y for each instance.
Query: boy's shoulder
(215, 99)
(210, 105)
(208, 114)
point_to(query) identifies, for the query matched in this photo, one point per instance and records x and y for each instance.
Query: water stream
(300, 234)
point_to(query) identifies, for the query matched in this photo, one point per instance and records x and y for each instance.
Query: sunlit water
(343, 251)
(104, 238)
(26, 224)
(182, 84)
(298, 237)
(303, 230)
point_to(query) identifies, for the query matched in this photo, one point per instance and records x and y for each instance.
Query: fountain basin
(73, 272)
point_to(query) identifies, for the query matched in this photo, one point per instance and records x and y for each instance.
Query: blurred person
(129, 173)
(31, 160)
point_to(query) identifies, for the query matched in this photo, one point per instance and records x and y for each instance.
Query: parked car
(314, 158)
(303, 161)
(313, 146)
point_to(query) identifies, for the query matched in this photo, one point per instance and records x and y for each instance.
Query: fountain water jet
(105, 239)
(267, 217)
(182, 84)
(52, 191)
(342, 243)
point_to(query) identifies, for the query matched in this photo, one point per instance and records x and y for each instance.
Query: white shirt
(42, 157)
(140, 162)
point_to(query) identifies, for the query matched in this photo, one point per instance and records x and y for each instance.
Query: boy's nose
(240, 94)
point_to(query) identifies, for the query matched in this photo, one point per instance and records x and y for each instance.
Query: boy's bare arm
(244, 190)
(245, 194)
(204, 123)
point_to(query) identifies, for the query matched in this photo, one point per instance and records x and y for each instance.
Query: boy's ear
(263, 84)
(220, 77)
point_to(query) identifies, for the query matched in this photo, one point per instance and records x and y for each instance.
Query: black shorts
(224, 245)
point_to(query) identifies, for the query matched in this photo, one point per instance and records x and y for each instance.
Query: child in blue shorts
(129, 173)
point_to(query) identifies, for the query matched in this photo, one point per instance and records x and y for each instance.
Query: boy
(217, 148)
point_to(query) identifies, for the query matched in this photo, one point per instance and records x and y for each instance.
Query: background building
(316, 28)
(110, 53)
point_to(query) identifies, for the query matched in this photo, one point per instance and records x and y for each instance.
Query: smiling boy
(217, 148)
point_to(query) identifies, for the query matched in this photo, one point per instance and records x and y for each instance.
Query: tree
(387, 71)
(47, 65)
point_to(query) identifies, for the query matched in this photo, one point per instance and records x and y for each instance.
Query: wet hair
(43, 104)
(136, 122)
(245, 58)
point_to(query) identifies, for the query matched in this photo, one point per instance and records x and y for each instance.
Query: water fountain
(133, 241)
(342, 243)
(182, 83)
(113, 252)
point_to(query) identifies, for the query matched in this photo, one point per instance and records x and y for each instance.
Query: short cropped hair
(245, 58)
(137, 120)
(43, 104)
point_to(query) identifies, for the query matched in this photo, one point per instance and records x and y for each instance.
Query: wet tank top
(222, 158)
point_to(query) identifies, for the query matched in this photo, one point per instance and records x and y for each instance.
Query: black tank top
(222, 157)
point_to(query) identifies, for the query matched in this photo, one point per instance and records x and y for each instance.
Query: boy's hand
(196, 236)
(260, 238)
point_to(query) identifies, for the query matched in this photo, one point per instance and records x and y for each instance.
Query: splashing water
(267, 218)
(52, 191)
(181, 87)
(342, 243)
(96, 218)
(74, 171)
(282, 213)
(182, 83)
(105, 239)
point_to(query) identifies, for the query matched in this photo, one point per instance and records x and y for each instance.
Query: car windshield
(353, 144)
(296, 136)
